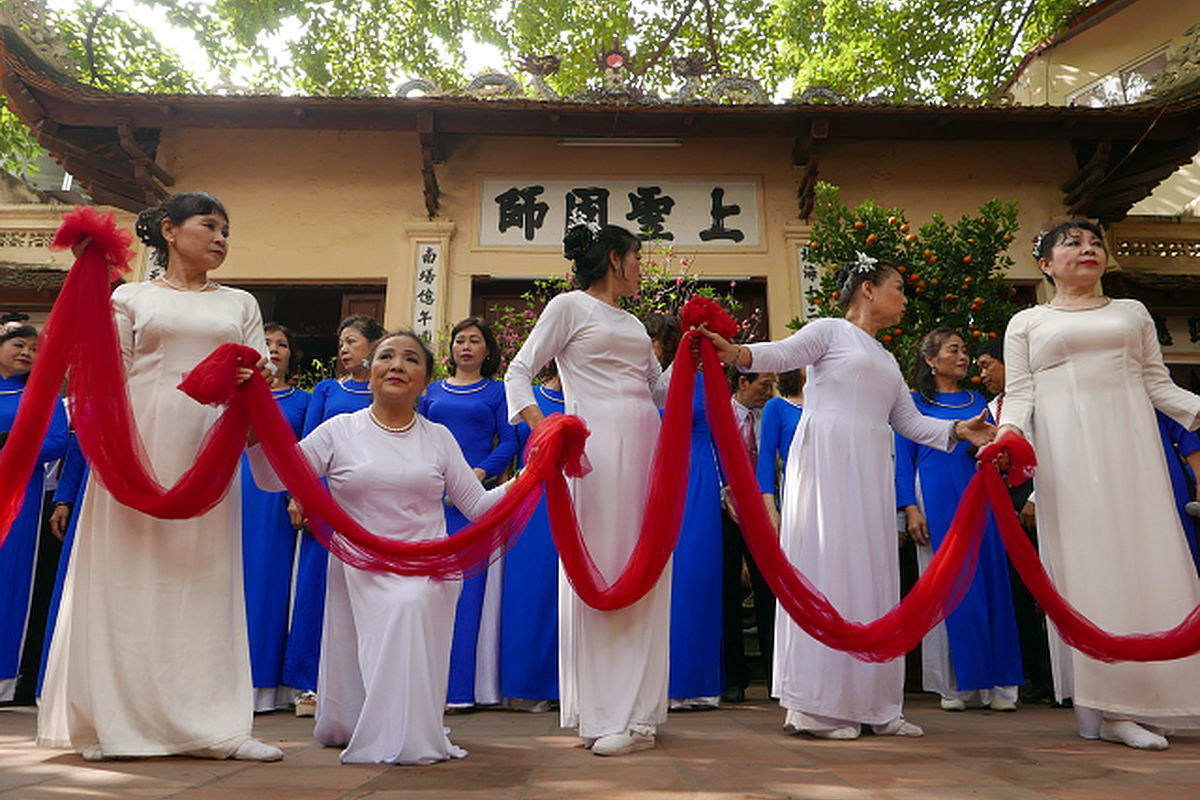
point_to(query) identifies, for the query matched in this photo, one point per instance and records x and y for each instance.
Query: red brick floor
(739, 751)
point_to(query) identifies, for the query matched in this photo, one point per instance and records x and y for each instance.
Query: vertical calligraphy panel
(427, 283)
(810, 283)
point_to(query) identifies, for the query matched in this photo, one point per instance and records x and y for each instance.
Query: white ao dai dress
(613, 665)
(385, 653)
(150, 655)
(1085, 385)
(839, 515)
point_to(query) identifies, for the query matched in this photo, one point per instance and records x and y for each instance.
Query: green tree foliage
(953, 272)
(913, 51)
(114, 53)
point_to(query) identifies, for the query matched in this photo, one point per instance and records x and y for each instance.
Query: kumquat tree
(953, 272)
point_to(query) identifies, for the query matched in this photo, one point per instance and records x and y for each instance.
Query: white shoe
(899, 727)
(254, 750)
(1001, 703)
(93, 753)
(953, 704)
(639, 737)
(843, 733)
(1129, 733)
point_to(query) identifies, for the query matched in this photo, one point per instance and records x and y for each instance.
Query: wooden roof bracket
(149, 174)
(431, 154)
(806, 151)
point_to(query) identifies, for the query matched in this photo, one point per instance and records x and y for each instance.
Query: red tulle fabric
(81, 335)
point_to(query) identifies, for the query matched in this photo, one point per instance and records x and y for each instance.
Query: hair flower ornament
(863, 262)
(1037, 244)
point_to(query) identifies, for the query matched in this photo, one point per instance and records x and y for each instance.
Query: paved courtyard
(738, 751)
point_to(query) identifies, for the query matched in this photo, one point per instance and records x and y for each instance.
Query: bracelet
(954, 431)
(737, 360)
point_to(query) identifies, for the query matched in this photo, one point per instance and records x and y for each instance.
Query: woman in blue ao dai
(975, 655)
(697, 676)
(344, 395)
(473, 407)
(529, 602)
(780, 417)
(269, 541)
(18, 344)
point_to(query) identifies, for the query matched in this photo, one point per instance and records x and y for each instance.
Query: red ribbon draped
(81, 335)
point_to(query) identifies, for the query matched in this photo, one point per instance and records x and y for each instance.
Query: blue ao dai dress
(839, 516)
(385, 654)
(302, 656)
(1178, 444)
(697, 637)
(778, 427)
(19, 551)
(268, 552)
(529, 602)
(477, 416)
(977, 648)
(613, 665)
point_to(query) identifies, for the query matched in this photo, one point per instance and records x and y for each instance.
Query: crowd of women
(137, 656)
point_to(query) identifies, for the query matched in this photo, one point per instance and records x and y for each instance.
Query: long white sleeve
(1018, 380)
(802, 348)
(317, 448)
(549, 335)
(1168, 397)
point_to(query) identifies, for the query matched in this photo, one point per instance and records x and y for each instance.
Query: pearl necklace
(405, 428)
(1093, 307)
(279, 394)
(7, 392)
(342, 383)
(208, 284)
(546, 394)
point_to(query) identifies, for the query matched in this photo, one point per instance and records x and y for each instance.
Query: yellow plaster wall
(1116, 41)
(344, 207)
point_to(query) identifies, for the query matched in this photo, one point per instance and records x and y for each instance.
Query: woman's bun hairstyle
(177, 208)
(589, 251)
(854, 274)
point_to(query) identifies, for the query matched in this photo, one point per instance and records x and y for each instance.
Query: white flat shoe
(1000, 703)
(254, 750)
(619, 744)
(953, 704)
(899, 727)
(845, 732)
(1129, 733)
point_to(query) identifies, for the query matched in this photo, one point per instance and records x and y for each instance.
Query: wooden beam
(139, 156)
(809, 142)
(1097, 162)
(431, 153)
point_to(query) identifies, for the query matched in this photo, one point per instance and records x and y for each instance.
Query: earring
(366, 363)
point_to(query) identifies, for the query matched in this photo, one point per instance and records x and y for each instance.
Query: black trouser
(737, 667)
(45, 571)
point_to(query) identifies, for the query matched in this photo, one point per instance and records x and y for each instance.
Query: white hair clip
(865, 262)
(1037, 244)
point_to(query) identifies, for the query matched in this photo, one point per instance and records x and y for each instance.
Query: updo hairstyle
(491, 362)
(177, 208)
(369, 327)
(854, 274)
(931, 345)
(589, 251)
(15, 325)
(1043, 245)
